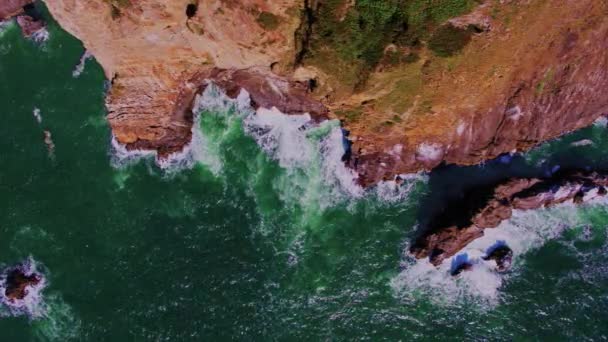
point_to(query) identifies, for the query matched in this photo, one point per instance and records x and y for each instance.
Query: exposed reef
(28, 18)
(465, 219)
(18, 282)
(20, 289)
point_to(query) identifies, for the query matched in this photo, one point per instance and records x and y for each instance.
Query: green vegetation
(546, 82)
(116, 6)
(448, 40)
(268, 21)
(358, 38)
(350, 115)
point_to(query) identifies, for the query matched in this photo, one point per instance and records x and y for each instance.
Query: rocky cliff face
(415, 85)
(483, 208)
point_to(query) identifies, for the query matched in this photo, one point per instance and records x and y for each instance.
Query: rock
(503, 256)
(17, 283)
(465, 220)
(50, 145)
(11, 8)
(465, 266)
(29, 26)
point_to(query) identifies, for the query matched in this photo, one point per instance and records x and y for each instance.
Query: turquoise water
(252, 241)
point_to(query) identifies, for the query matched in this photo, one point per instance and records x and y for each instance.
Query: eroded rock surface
(11, 8)
(466, 219)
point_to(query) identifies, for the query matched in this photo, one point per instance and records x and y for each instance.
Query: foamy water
(41, 36)
(79, 69)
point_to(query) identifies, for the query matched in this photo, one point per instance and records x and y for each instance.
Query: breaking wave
(79, 69)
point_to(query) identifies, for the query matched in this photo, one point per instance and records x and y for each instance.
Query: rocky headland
(466, 218)
(416, 83)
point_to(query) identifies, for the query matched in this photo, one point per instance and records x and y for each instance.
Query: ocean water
(257, 231)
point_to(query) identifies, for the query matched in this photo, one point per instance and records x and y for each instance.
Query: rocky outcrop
(531, 71)
(29, 25)
(503, 256)
(11, 8)
(28, 18)
(466, 219)
(17, 284)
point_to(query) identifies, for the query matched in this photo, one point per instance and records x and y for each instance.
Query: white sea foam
(396, 191)
(121, 156)
(5, 26)
(32, 305)
(37, 115)
(525, 231)
(82, 64)
(41, 36)
(602, 121)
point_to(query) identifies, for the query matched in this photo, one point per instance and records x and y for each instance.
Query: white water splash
(399, 189)
(602, 122)
(32, 304)
(122, 157)
(525, 231)
(41, 36)
(82, 64)
(37, 115)
(5, 26)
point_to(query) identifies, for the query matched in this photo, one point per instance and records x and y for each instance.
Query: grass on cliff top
(359, 39)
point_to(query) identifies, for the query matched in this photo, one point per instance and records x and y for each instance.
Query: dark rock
(503, 256)
(17, 283)
(461, 268)
(465, 219)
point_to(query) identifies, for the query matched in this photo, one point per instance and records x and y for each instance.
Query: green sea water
(260, 240)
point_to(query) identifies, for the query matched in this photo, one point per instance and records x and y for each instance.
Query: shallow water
(258, 232)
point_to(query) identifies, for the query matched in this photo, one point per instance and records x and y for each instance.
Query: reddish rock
(17, 284)
(11, 8)
(265, 90)
(29, 25)
(466, 219)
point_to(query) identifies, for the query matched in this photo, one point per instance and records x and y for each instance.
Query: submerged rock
(503, 256)
(465, 219)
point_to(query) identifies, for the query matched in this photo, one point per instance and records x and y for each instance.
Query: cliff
(416, 82)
